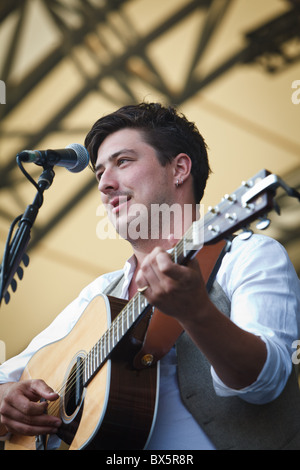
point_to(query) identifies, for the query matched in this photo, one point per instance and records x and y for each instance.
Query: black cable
(29, 177)
(38, 201)
(5, 255)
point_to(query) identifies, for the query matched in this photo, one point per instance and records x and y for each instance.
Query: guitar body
(116, 409)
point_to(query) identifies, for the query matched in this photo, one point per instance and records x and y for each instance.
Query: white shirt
(261, 283)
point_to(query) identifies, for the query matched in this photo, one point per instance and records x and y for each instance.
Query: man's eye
(123, 160)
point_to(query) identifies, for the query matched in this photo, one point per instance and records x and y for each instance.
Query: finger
(32, 428)
(148, 273)
(26, 421)
(39, 389)
(172, 241)
(22, 399)
(142, 282)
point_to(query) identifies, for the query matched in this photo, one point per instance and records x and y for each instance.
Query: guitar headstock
(238, 209)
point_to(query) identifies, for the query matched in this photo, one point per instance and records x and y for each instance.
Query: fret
(105, 348)
(93, 367)
(91, 362)
(139, 299)
(182, 251)
(175, 254)
(87, 367)
(110, 339)
(102, 349)
(127, 317)
(142, 303)
(184, 248)
(100, 359)
(85, 371)
(114, 334)
(97, 355)
(122, 325)
(197, 235)
(135, 313)
(119, 328)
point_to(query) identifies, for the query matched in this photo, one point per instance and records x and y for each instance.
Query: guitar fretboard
(113, 335)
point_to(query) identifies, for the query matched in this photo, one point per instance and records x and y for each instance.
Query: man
(145, 156)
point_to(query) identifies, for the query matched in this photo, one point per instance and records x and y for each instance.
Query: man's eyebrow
(115, 155)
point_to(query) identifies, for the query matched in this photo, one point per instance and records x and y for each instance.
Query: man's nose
(108, 181)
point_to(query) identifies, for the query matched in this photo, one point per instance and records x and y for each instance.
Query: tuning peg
(230, 198)
(20, 273)
(214, 210)
(13, 285)
(25, 259)
(263, 223)
(247, 184)
(7, 297)
(245, 234)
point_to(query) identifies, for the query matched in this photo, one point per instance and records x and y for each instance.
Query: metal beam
(260, 41)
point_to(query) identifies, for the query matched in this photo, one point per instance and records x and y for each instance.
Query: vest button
(147, 359)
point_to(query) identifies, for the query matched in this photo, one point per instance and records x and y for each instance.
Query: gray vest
(230, 422)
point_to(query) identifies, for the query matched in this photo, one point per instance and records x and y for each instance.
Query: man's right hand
(22, 412)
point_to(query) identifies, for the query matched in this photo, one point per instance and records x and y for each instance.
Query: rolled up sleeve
(262, 285)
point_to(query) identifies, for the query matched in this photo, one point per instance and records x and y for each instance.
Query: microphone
(74, 157)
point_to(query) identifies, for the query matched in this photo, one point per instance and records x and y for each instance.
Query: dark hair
(167, 131)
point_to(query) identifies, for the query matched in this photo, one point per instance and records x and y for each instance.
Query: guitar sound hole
(69, 398)
(74, 388)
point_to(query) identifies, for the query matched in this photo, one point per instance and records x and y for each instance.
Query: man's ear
(182, 168)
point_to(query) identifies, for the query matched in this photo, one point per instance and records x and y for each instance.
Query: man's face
(131, 179)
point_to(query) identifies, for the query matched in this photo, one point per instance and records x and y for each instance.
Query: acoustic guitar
(105, 402)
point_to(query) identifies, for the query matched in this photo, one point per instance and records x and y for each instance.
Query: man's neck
(144, 247)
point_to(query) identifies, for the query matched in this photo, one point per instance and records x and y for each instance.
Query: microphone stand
(15, 252)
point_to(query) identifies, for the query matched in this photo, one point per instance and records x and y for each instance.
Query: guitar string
(69, 384)
(102, 344)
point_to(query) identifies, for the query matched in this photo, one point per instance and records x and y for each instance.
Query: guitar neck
(134, 310)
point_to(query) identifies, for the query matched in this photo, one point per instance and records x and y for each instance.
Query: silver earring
(178, 182)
